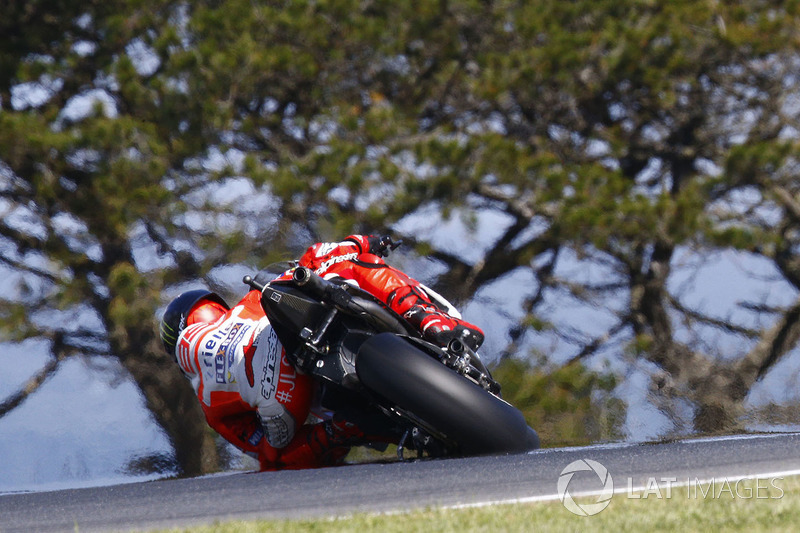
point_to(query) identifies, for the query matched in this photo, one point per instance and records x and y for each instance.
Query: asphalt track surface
(398, 486)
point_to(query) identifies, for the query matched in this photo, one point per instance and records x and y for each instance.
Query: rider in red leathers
(250, 394)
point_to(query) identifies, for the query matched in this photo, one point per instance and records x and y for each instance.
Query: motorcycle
(374, 368)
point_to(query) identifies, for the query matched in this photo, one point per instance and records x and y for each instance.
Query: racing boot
(440, 328)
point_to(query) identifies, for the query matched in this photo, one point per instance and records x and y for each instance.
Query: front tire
(479, 422)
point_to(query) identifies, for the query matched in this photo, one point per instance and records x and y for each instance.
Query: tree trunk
(171, 400)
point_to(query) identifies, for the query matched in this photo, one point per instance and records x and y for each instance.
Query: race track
(394, 486)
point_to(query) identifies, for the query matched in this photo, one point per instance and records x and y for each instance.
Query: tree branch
(592, 347)
(32, 385)
(786, 198)
(715, 322)
(774, 344)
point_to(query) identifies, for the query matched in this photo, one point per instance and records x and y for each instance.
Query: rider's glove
(366, 243)
(379, 245)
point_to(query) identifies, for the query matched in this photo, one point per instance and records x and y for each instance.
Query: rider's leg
(406, 297)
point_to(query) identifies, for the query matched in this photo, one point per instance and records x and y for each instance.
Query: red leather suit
(248, 391)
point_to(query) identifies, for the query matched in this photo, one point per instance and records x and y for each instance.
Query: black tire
(479, 422)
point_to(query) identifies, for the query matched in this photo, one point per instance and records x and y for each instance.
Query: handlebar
(315, 284)
(304, 276)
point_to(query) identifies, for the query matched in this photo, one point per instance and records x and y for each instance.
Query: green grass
(777, 509)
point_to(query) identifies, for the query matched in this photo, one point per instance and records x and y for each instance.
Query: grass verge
(768, 505)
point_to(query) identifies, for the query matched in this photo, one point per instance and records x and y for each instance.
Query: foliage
(568, 406)
(144, 144)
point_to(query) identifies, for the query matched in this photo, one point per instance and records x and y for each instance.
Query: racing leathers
(357, 259)
(256, 400)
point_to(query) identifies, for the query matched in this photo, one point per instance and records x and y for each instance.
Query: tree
(627, 130)
(141, 146)
(79, 188)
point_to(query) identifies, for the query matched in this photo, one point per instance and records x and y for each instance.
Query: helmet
(176, 316)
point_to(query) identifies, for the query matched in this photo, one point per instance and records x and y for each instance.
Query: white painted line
(616, 445)
(723, 438)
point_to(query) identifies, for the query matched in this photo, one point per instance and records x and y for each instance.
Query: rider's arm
(244, 431)
(327, 253)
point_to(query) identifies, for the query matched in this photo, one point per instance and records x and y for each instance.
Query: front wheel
(477, 421)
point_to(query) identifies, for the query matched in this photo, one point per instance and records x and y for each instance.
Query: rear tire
(479, 422)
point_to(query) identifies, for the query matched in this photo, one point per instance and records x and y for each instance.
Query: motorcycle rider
(249, 392)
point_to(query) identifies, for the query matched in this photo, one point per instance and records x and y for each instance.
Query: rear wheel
(477, 421)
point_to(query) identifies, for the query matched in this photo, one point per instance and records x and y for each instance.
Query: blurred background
(609, 189)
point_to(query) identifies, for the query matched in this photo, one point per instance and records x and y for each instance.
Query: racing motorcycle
(374, 368)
